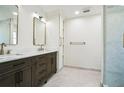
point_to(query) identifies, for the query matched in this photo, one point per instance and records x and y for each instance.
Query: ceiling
(68, 10)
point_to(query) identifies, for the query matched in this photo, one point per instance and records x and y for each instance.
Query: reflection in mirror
(8, 24)
(39, 28)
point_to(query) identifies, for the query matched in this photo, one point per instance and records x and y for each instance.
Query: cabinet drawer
(41, 66)
(39, 73)
(21, 63)
(13, 65)
(41, 59)
(41, 70)
(7, 80)
(42, 74)
(6, 67)
(41, 63)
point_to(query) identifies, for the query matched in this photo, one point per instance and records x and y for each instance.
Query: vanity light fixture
(35, 14)
(86, 11)
(15, 13)
(43, 20)
(77, 12)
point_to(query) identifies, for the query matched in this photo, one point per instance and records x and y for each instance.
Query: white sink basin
(9, 56)
(18, 54)
(5, 57)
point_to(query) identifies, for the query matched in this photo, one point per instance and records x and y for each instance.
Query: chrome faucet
(2, 48)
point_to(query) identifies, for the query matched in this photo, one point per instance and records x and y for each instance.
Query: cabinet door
(34, 63)
(7, 80)
(49, 67)
(25, 80)
(53, 62)
(23, 77)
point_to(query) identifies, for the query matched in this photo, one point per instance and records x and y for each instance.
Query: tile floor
(73, 77)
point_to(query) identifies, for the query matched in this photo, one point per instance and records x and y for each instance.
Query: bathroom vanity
(27, 70)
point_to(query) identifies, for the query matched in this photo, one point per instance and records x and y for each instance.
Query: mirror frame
(16, 27)
(17, 24)
(34, 41)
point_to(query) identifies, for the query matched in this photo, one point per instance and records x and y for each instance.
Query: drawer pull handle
(17, 78)
(21, 76)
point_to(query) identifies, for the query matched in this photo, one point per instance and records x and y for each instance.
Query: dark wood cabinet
(15, 73)
(32, 71)
(51, 64)
(39, 70)
(44, 66)
(49, 67)
(23, 77)
(7, 80)
(22, 72)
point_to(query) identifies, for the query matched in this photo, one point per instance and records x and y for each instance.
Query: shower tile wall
(114, 51)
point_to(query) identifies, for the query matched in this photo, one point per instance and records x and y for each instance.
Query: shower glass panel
(114, 46)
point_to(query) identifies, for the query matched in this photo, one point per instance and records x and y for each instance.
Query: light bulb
(77, 12)
(14, 13)
(35, 15)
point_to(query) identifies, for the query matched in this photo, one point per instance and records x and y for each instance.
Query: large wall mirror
(8, 24)
(39, 32)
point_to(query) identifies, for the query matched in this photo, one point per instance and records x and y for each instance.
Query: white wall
(52, 30)
(83, 29)
(25, 28)
(53, 35)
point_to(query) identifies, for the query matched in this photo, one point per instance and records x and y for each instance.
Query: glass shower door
(114, 46)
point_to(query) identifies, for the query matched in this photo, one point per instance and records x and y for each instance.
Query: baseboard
(83, 68)
(60, 69)
(105, 85)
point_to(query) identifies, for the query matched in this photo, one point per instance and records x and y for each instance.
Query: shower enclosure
(113, 21)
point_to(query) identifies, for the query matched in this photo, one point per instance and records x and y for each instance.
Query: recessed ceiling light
(77, 12)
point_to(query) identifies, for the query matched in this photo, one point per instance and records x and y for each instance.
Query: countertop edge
(26, 55)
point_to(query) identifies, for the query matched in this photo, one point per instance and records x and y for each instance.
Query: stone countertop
(12, 57)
